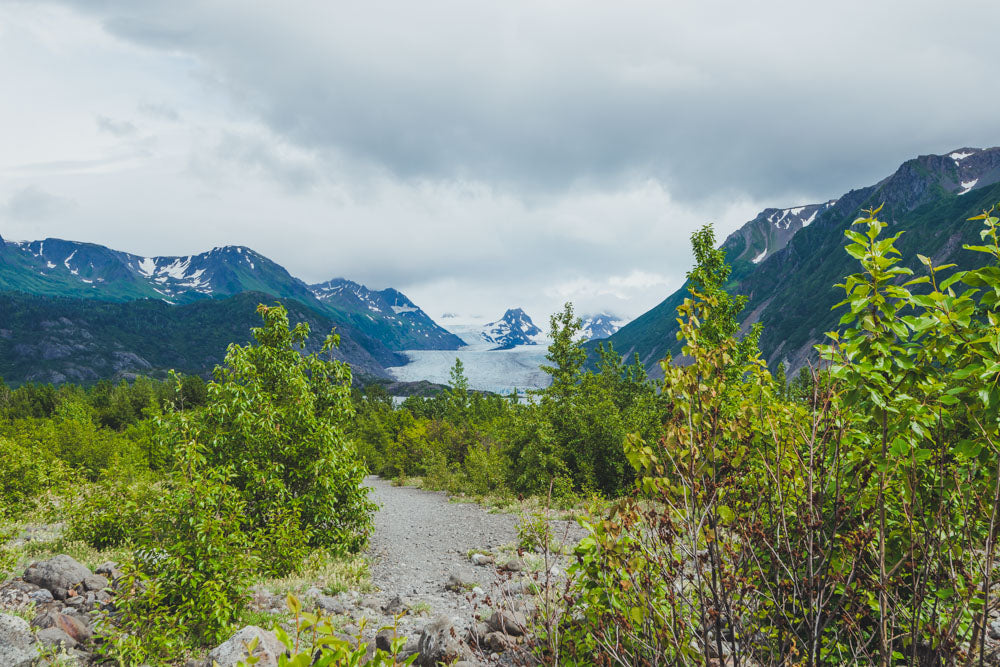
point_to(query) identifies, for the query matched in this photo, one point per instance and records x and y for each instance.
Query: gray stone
(513, 565)
(481, 559)
(439, 643)
(455, 584)
(41, 596)
(396, 606)
(383, 640)
(96, 582)
(497, 642)
(55, 637)
(109, 570)
(16, 642)
(511, 623)
(331, 605)
(234, 650)
(58, 575)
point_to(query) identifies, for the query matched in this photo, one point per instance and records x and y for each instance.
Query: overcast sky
(475, 155)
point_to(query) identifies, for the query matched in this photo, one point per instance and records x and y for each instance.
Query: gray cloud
(772, 100)
(31, 204)
(118, 128)
(479, 155)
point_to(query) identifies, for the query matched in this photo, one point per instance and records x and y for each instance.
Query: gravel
(421, 539)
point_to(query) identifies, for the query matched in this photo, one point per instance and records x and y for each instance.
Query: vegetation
(849, 517)
(201, 487)
(854, 525)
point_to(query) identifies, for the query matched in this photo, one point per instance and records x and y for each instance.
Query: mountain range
(514, 328)
(84, 311)
(788, 261)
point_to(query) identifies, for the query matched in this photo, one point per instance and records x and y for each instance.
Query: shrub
(25, 473)
(276, 418)
(114, 510)
(188, 579)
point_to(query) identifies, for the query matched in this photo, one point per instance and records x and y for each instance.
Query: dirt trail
(421, 539)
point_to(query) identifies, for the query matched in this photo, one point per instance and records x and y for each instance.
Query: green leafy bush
(276, 419)
(854, 524)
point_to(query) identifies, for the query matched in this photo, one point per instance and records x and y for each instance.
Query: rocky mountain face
(787, 261)
(514, 328)
(54, 339)
(53, 284)
(387, 315)
(602, 325)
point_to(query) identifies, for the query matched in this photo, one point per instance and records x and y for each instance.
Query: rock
(383, 640)
(478, 591)
(95, 582)
(75, 601)
(55, 637)
(994, 630)
(331, 605)
(58, 575)
(515, 564)
(109, 570)
(497, 642)
(511, 623)
(74, 627)
(313, 592)
(455, 584)
(370, 602)
(234, 649)
(16, 642)
(439, 643)
(477, 634)
(481, 559)
(41, 596)
(396, 606)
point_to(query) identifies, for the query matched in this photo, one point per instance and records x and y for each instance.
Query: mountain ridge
(790, 289)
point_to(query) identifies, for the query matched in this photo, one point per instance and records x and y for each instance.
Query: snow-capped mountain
(514, 328)
(385, 314)
(786, 261)
(55, 267)
(600, 326)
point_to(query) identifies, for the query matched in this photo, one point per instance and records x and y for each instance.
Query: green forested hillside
(50, 339)
(791, 290)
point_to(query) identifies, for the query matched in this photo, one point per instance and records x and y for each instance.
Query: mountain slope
(57, 339)
(790, 286)
(387, 315)
(596, 327)
(514, 328)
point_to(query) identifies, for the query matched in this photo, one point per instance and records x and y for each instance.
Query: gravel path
(421, 539)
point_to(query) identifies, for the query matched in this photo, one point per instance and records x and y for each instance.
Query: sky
(476, 156)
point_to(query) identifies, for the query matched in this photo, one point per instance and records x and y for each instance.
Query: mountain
(514, 328)
(59, 339)
(787, 261)
(387, 315)
(602, 325)
(55, 267)
(375, 325)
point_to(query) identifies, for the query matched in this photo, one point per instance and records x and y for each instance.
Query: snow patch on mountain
(513, 329)
(601, 325)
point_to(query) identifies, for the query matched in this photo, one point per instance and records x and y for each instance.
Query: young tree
(277, 418)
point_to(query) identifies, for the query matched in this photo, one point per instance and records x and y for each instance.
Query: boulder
(497, 642)
(512, 623)
(58, 575)
(383, 640)
(17, 647)
(95, 582)
(56, 637)
(439, 643)
(481, 559)
(234, 650)
(331, 605)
